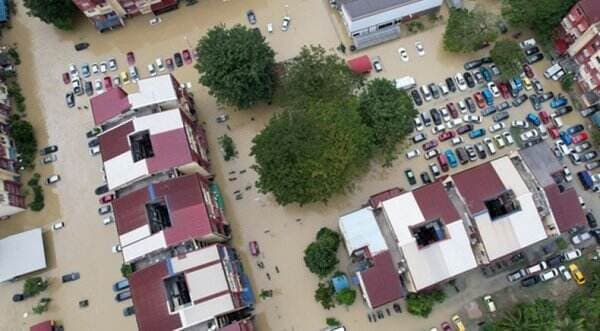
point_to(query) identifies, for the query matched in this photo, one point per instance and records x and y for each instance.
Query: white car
(103, 67)
(520, 124)
(403, 54)
(155, 20)
(567, 173)
(110, 219)
(159, 64)
(454, 123)
(431, 154)
(566, 275)
(563, 148)
(571, 255)
(527, 43)
(413, 153)
(58, 226)
(73, 70)
(377, 64)
(494, 89)
(580, 238)
(462, 106)
(508, 138)
(116, 248)
(457, 141)
(444, 88)
(418, 123)
(95, 68)
(420, 48)
(490, 145)
(133, 74)
(98, 85)
(460, 81)
(497, 127)
(548, 275)
(285, 23)
(438, 128)
(53, 179)
(472, 119)
(95, 150)
(491, 306)
(112, 64)
(445, 114)
(499, 141)
(151, 69)
(426, 93)
(527, 135)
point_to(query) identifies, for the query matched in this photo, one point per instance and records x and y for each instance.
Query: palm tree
(567, 324)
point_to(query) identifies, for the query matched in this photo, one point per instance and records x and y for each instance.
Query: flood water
(84, 245)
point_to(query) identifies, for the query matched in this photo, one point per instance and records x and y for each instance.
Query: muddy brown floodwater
(84, 245)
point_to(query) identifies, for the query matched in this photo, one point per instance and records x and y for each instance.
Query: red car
(446, 135)
(254, 250)
(528, 71)
(169, 62)
(452, 109)
(580, 137)
(130, 58)
(66, 78)
(107, 82)
(544, 117)
(107, 198)
(429, 145)
(443, 162)
(504, 90)
(554, 133)
(446, 326)
(479, 100)
(187, 57)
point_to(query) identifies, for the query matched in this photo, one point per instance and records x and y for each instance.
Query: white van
(527, 43)
(553, 72)
(406, 83)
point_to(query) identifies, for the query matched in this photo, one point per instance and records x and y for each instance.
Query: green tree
(389, 112)
(126, 270)
(319, 259)
(509, 57)
(236, 65)
(567, 324)
(42, 306)
(264, 294)
(59, 13)
(308, 156)
(228, 147)
(324, 295)
(538, 315)
(567, 82)
(38, 193)
(419, 304)
(34, 285)
(332, 322)
(541, 16)
(346, 296)
(22, 133)
(467, 31)
(315, 76)
(329, 238)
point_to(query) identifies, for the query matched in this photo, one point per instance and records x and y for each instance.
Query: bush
(324, 295)
(34, 285)
(561, 243)
(25, 142)
(346, 296)
(228, 147)
(42, 306)
(421, 304)
(38, 193)
(126, 270)
(332, 322)
(329, 238)
(320, 259)
(567, 82)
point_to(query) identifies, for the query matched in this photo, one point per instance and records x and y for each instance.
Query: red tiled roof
(565, 207)
(360, 65)
(376, 199)
(478, 184)
(109, 104)
(171, 149)
(591, 9)
(43, 326)
(130, 211)
(115, 142)
(381, 281)
(435, 203)
(150, 300)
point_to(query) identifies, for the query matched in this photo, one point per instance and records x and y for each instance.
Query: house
(110, 14)
(159, 216)
(206, 289)
(377, 275)
(580, 17)
(371, 22)
(430, 235)
(503, 209)
(167, 143)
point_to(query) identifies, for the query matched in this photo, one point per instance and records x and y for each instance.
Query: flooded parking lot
(84, 245)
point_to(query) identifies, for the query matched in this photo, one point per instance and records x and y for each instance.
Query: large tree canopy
(467, 31)
(542, 16)
(389, 112)
(313, 76)
(59, 13)
(236, 65)
(320, 259)
(539, 315)
(307, 156)
(509, 57)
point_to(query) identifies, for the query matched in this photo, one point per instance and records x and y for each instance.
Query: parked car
(554, 261)
(435, 91)
(70, 277)
(581, 238)
(549, 275)
(591, 219)
(436, 116)
(130, 58)
(480, 150)
(121, 285)
(430, 145)
(451, 158)
(528, 71)
(514, 276)
(529, 135)
(251, 17)
(577, 274)
(564, 272)
(105, 209)
(531, 50)
(464, 128)
(477, 133)
(497, 127)
(52, 179)
(479, 99)
(535, 58)
(458, 323)
(419, 137)
(101, 189)
(488, 111)
(589, 111)
(530, 281)
(579, 137)
(558, 102)
(431, 154)
(469, 80)
(128, 311)
(58, 225)
(122, 296)
(592, 165)
(187, 55)
(571, 255)
(494, 89)
(508, 138)
(473, 64)
(416, 97)
(435, 170)
(500, 116)
(410, 176)
(446, 135)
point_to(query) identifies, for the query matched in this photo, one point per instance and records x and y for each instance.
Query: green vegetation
(34, 285)
(236, 65)
(567, 82)
(467, 31)
(38, 193)
(22, 133)
(14, 92)
(389, 112)
(59, 13)
(126, 269)
(538, 315)
(324, 295)
(12, 52)
(561, 243)
(329, 238)
(541, 16)
(421, 304)
(265, 294)
(320, 256)
(509, 57)
(42, 306)
(346, 296)
(596, 136)
(332, 322)
(228, 147)
(414, 26)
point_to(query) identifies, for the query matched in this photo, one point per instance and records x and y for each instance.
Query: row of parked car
(550, 269)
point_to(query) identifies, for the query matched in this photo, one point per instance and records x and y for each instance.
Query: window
(429, 233)
(158, 216)
(178, 293)
(506, 203)
(386, 25)
(141, 146)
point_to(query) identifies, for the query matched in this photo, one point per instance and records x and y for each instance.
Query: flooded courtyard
(84, 245)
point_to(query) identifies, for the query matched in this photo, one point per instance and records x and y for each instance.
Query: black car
(128, 311)
(563, 111)
(251, 17)
(464, 128)
(94, 142)
(530, 281)
(435, 91)
(501, 116)
(532, 50)
(93, 132)
(48, 150)
(535, 102)
(488, 111)
(486, 60)
(122, 296)
(89, 88)
(470, 104)
(19, 297)
(555, 261)
(436, 116)
(178, 59)
(81, 46)
(591, 220)
(101, 189)
(450, 84)
(535, 58)
(589, 111)
(425, 177)
(70, 277)
(546, 96)
(471, 152)
(480, 150)
(473, 64)
(596, 234)
(410, 176)
(575, 129)
(426, 119)
(416, 97)
(519, 100)
(70, 99)
(469, 79)
(463, 157)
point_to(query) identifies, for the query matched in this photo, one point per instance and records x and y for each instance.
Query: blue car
(575, 129)
(558, 102)
(518, 83)
(486, 73)
(566, 138)
(488, 96)
(452, 160)
(533, 119)
(477, 133)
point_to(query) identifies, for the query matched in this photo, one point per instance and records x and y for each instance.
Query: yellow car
(124, 77)
(459, 324)
(577, 274)
(527, 83)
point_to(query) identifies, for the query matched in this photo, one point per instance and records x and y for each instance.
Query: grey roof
(358, 8)
(542, 163)
(21, 254)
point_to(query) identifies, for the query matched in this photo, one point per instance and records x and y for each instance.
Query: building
(374, 268)
(110, 14)
(430, 234)
(160, 217)
(580, 17)
(371, 22)
(21, 254)
(202, 290)
(503, 209)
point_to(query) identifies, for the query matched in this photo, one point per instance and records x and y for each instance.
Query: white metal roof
(153, 90)
(360, 229)
(357, 20)
(144, 246)
(21, 254)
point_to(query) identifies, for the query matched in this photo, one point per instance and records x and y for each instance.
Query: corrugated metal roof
(109, 104)
(381, 281)
(171, 149)
(115, 142)
(357, 8)
(565, 207)
(435, 203)
(477, 185)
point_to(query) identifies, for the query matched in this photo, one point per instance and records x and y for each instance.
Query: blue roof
(340, 282)
(3, 11)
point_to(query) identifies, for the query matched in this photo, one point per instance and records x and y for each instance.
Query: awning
(110, 22)
(360, 65)
(214, 189)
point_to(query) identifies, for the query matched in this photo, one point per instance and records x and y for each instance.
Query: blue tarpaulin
(247, 294)
(340, 282)
(4, 14)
